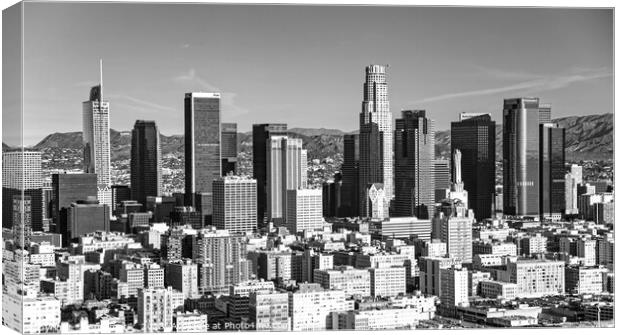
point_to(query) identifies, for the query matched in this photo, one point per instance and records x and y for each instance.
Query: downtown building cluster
(395, 238)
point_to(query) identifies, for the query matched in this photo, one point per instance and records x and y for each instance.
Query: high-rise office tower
(145, 161)
(229, 148)
(544, 113)
(203, 162)
(304, 210)
(350, 177)
(67, 189)
(370, 164)
(304, 168)
(221, 259)
(234, 204)
(552, 183)
(120, 193)
(474, 136)
(521, 156)
(96, 139)
(376, 109)
(260, 146)
(85, 217)
(21, 176)
(284, 172)
(22, 218)
(442, 178)
(577, 171)
(415, 156)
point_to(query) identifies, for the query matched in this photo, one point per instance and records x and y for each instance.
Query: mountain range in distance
(587, 138)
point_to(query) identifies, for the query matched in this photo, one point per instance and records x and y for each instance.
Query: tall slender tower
(96, 139)
(415, 156)
(284, 172)
(376, 109)
(521, 156)
(350, 176)
(260, 146)
(203, 162)
(552, 178)
(145, 161)
(229, 148)
(474, 137)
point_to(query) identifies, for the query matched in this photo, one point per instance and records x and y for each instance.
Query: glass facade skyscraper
(552, 172)
(145, 161)
(475, 138)
(350, 175)
(96, 139)
(229, 148)
(521, 156)
(414, 144)
(376, 109)
(202, 146)
(260, 141)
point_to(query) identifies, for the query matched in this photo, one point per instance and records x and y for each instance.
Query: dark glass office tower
(414, 153)
(475, 138)
(120, 193)
(370, 163)
(145, 161)
(260, 139)
(229, 148)
(349, 200)
(552, 172)
(442, 178)
(69, 188)
(203, 162)
(85, 217)
(521, 156)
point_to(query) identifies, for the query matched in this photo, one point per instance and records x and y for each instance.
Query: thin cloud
(536, 85)
(195, 81)
(139, 103)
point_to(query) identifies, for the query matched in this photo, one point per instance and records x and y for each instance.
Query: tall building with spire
(96, 139)
(376, 109)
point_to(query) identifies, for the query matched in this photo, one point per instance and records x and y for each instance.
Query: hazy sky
(305, 65)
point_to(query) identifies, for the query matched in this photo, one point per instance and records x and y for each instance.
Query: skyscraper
(260, 142)
(370, 164)
(234, 204)
(475, 138)
(21, 176)
(84, 217)
(96, 139)
(544, 113)
(442, 178)
(521, 156)
(376, 109)
(202, 147)
(145, 161)
(350, 177)
(414, 170)
(69, 188)
(552, 182)
(22, 220)
(221, 259)
(284, 172)
(229, 148)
